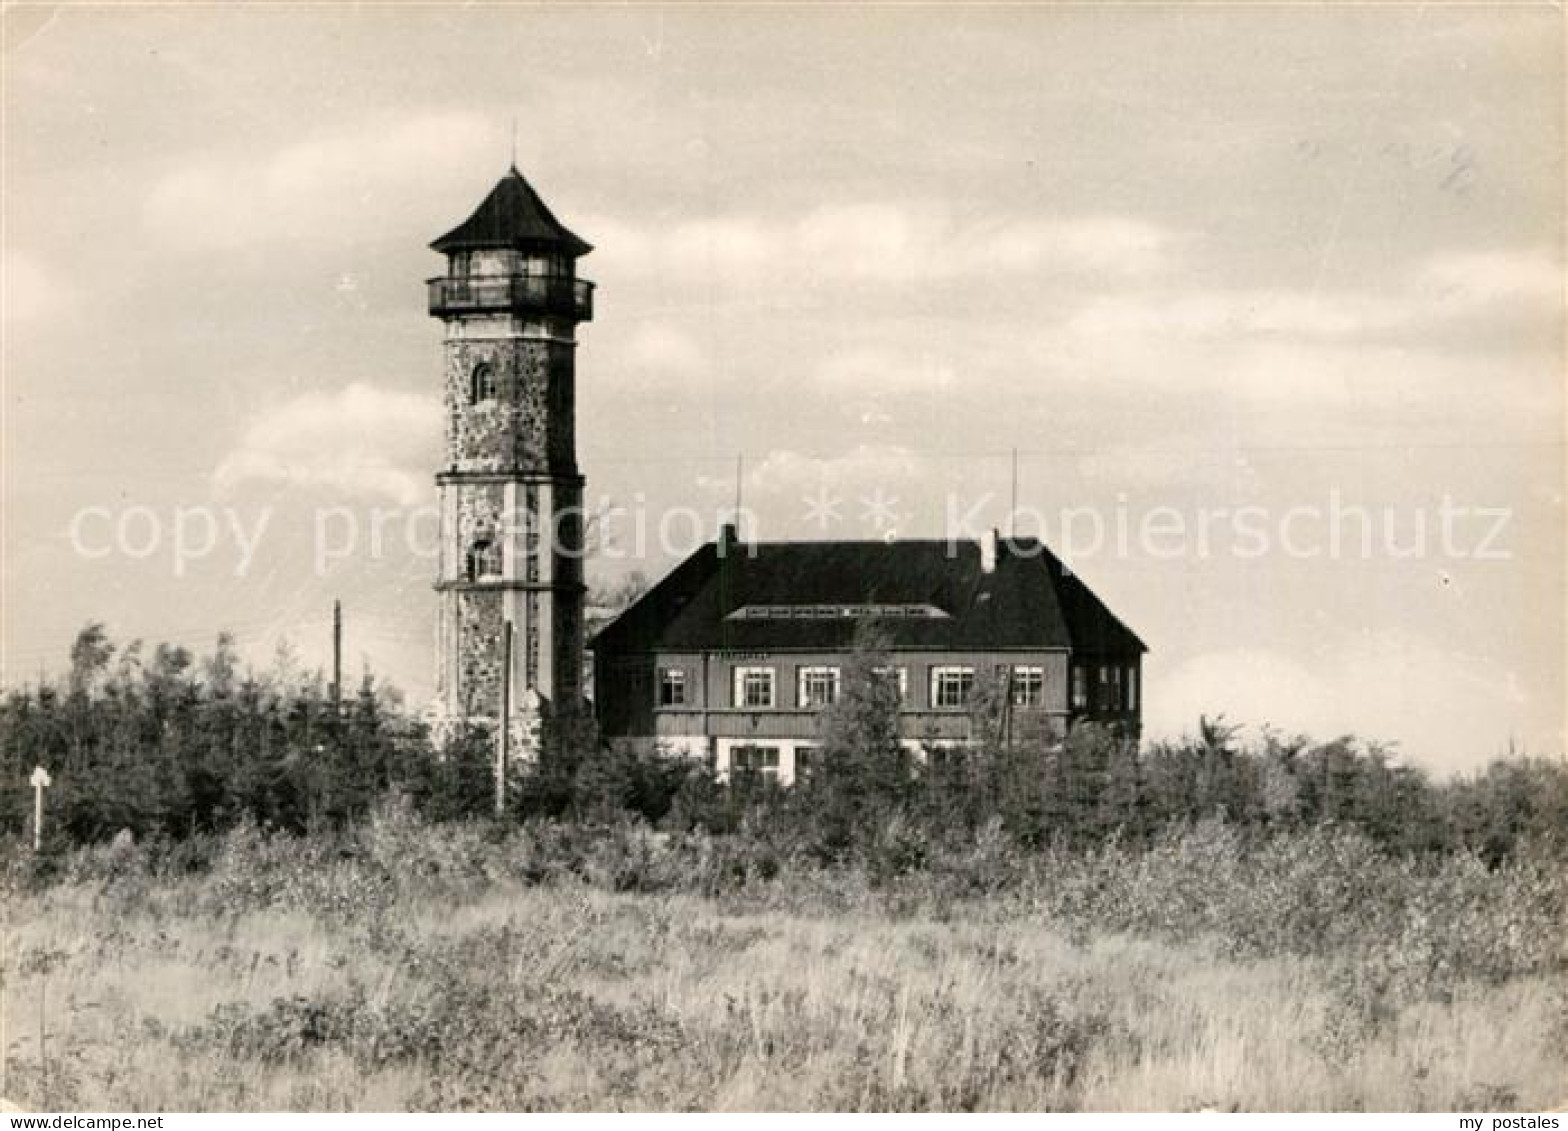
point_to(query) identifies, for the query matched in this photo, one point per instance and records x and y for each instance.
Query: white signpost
(41, 781)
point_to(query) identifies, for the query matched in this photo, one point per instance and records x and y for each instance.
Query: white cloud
(870, 490)
(1269, 313)
(1245, 685)
(32, 293)
(863, 467)
(353, 182)
(360, 441)
(1411, 349)
(1132, 467)
(1315, 392)
(884, 370)
(1111, 244)
(781, 484)
(1445, 710)
(1442, 288)
(1490, 277)
(884, 242)
(662, 350)
(724, 245)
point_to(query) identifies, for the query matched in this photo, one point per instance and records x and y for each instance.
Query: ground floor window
(754, 764)
(807, 761)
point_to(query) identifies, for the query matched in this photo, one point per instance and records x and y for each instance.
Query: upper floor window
(1080, 688)
(818, 687)
(1028, 686)
(1132, 688)
(481, 383)
(672, 687)
(897, 676)
(753, 687)
(951, 686)
(483, 560)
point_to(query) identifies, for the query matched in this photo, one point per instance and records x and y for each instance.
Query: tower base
(526, 728)
(536, 723)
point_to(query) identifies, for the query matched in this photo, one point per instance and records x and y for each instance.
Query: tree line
(169, 744)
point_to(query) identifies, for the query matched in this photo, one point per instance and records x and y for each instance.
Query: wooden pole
(504, 746)
(337, 657)
(40, 781)
(5, 939)
(1007, 707)
(43, 1035)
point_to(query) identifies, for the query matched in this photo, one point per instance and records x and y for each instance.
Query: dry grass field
(464, 974)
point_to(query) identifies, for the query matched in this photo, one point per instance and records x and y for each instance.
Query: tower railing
(547, 294)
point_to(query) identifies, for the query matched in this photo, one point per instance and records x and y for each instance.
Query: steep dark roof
(512, 216)
(1029, 601)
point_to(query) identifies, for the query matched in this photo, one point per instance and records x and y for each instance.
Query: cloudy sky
(1188, 262)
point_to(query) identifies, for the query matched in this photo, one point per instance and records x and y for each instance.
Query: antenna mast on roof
(514, 141)
(740, 463)
(1012, 510)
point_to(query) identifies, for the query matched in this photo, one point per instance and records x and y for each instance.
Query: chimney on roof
(988, 545)
(727, 539)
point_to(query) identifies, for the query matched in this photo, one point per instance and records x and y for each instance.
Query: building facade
(509, 622)
(734, 655)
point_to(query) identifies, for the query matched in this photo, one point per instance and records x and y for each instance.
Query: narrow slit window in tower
(481, 383)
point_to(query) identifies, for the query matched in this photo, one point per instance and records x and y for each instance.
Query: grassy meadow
(462, 967)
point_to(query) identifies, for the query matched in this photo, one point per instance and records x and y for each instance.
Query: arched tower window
(481, 383)
(484, 560)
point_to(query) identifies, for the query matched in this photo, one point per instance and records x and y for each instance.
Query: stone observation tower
(509, 619)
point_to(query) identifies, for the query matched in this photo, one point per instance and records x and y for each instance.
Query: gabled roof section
(641, 623)
(1094, 628)
(512, 216)
(1030, 600)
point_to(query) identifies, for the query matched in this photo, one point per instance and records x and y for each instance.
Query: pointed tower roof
(512, 216)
